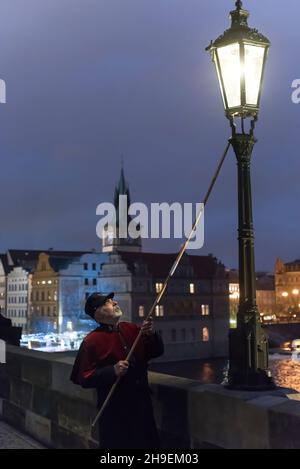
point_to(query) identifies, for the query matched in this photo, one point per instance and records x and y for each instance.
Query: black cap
(94, 301)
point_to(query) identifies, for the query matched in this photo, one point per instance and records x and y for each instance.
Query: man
(127, 421)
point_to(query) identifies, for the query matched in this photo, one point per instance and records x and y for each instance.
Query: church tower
(113, 240)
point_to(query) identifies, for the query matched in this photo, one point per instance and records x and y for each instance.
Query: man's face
(109, 313)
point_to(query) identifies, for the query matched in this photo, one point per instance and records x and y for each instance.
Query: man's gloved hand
(121, 368)
(147, 327)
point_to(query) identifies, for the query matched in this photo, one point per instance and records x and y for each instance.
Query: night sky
(90, 80)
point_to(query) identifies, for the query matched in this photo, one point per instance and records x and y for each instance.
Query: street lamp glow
(240, 57)
(295, 291)
(285, 294)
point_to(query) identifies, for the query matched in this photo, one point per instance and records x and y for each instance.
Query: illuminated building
(265, 295)
(287, 284)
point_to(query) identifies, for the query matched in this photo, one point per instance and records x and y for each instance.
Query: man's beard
(118, 312)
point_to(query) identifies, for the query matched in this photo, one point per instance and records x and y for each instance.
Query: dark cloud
(89, 80)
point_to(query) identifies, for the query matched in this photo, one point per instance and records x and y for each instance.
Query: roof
(233, 276)
(207, 266)
(6, 266)
(293, 263)
(265, 282)
(58, 259)
(159, 265)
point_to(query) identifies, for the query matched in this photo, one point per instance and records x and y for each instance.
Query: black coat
(128, 420)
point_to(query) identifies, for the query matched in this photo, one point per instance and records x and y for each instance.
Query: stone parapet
(37, 397)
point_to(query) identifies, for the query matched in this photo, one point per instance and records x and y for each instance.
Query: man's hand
(121, 368)
(147, 327)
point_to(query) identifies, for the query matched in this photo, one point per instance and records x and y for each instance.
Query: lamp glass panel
(254, 62)
(230, 69)
(220, 80)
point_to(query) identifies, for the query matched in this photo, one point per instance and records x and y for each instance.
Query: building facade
(17, 297)
(4, 270)
(265, 296)
(287, 286)
(61, 283)
(193, 317)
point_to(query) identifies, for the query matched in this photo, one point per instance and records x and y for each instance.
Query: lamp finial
(239, 4)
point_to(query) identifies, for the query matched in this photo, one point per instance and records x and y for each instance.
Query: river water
(285, 370)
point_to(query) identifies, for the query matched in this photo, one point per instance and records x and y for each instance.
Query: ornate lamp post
(240, 57)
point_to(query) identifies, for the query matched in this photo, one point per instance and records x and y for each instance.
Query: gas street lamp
(240, 57)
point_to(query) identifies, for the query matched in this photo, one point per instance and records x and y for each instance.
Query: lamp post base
(248, 358)
(252, 381)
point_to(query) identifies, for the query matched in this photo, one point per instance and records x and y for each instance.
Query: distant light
(295, 291)
(234, 296)
(285, 294)
(44, 282)
(49, 282)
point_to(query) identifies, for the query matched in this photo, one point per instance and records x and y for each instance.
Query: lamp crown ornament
(239, 16)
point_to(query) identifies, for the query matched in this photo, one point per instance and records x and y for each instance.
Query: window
(43, 296)
(86, 281)
(205, 334)
(183, 335)
(94, 281)
(87, 295)
(94, 266)
(173, 335)
(158, 287)
(141, 311)
(205, 310)
(192, 288)
(193, 333)
(86, 266)
(159, 311)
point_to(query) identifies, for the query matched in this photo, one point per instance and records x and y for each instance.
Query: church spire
(117, 242)
(121, 188)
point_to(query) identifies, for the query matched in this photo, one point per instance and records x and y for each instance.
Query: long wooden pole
(170, 275)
